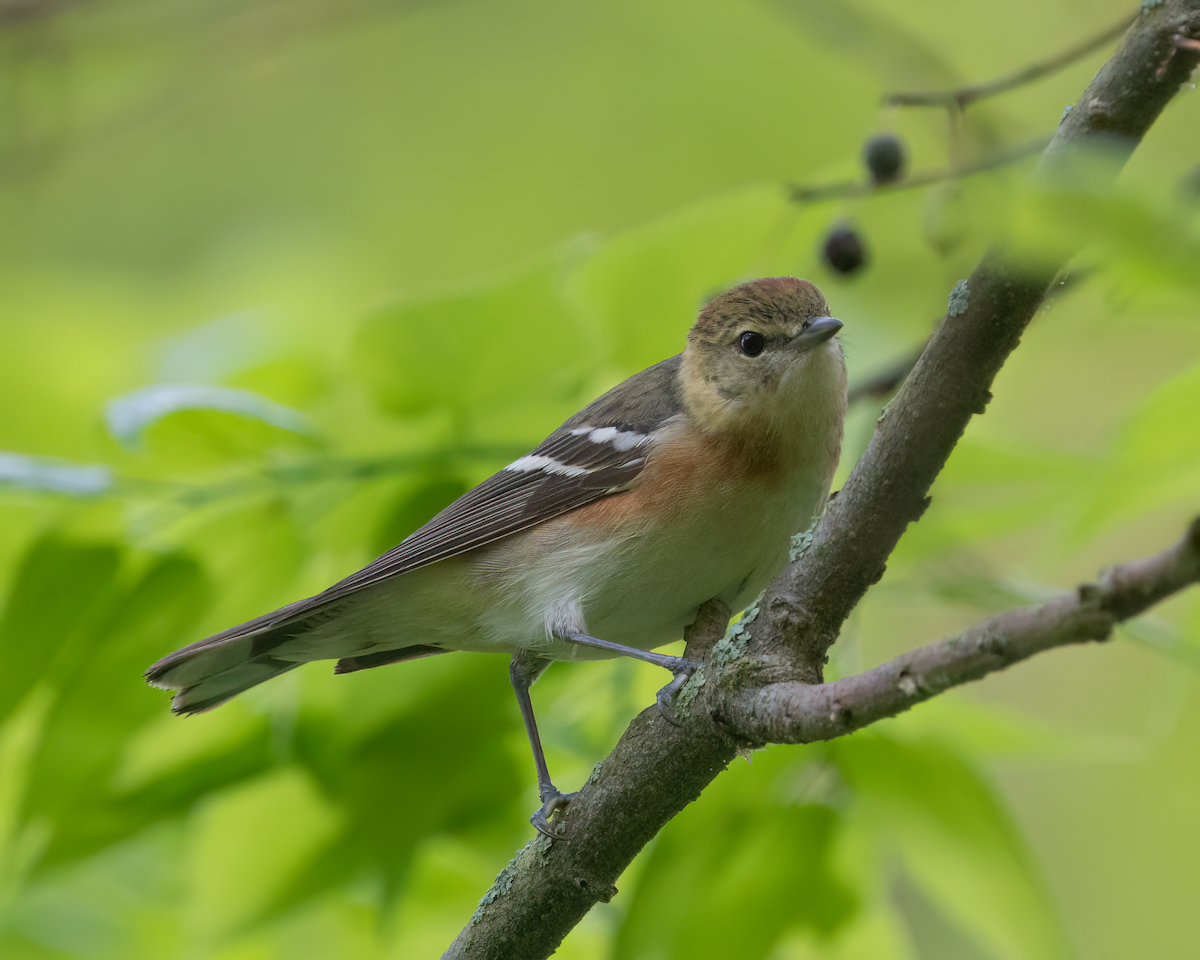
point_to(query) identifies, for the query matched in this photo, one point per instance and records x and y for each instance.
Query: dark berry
(884, 157)
(844, 250)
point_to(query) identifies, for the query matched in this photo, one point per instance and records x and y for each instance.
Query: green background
(435, 230)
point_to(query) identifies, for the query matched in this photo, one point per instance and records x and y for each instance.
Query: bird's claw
(552, 801)
(665, 698)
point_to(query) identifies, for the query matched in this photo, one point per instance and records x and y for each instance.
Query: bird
(683, 484)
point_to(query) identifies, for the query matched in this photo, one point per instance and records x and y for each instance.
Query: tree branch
(657, 769)
(792, 712)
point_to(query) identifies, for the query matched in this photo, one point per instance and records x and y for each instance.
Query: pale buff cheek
(715, 408)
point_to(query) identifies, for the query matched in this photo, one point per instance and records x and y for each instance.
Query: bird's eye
(752, 343)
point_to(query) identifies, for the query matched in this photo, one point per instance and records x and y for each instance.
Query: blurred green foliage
(279, 280)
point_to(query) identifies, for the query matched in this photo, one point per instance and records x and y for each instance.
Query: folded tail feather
(214, 690)
(210, 671)
(207, 673)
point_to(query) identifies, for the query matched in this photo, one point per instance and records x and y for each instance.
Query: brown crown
(770, 301)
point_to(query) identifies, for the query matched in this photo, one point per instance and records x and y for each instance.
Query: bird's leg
(679, 666)
(523, 670)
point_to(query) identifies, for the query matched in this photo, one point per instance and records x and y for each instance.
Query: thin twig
(811, 193)
(960, 97)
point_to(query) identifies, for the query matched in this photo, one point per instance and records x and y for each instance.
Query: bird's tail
(210, 671)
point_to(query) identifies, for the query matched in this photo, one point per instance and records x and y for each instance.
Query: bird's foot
(682, 670)
(552, 801)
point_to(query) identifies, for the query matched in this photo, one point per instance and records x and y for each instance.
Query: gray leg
(680, 667)
(523, 670)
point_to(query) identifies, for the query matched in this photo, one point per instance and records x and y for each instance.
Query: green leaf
(749, 861)
(877, 932)
(990, 490)
(508, 350)
(956, 840)
(1156, 460)
(54, 593)
(169, 748)
(404, 778)
(248, 842)
(102, 701)
(1138, 234)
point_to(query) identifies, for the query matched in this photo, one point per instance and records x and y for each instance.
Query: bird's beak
(817, 330)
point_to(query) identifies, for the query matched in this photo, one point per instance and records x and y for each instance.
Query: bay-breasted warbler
(683, 484)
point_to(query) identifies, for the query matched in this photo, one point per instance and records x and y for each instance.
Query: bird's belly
(676, 577)
(642, 587)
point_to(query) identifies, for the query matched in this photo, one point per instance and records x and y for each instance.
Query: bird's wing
(562, 474)
(598, 452)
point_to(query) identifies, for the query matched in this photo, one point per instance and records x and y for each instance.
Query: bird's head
(763, 354)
